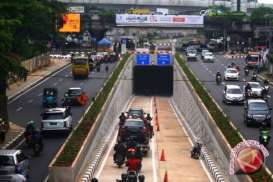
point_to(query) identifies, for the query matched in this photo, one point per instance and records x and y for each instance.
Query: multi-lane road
(29, 107)
(206, 74)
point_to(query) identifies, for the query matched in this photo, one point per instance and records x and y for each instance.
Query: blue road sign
(163, 59)
(143, 59)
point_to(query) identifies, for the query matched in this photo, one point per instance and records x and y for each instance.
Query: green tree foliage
(258, 15)
(26, 26)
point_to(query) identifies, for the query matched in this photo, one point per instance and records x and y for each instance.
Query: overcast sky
(266, 1)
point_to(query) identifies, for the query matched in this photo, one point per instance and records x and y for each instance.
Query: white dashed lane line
(19, 109)
(30, 101)
(55, 84)
(40, 94)
(60, 80)
(66, 76)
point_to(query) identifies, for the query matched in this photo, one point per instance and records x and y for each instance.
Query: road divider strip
(231, 134)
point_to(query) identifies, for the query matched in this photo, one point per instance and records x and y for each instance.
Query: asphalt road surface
(206, 74)
(29, 107)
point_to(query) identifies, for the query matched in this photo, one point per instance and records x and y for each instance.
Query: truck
(253, 59)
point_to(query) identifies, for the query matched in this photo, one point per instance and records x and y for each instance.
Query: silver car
(13, 162)
(233, 94)
(56, 119)
(256, 89)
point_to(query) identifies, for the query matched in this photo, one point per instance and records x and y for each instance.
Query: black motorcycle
(37, 148)
(254, 77)
(196, 151)
(218, 79)
(119, 159)
(131, 176)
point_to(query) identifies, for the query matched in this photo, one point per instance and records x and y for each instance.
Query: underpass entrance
(153, 80)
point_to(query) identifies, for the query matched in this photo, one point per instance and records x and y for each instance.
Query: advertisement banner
(71, 23)
(157, 20)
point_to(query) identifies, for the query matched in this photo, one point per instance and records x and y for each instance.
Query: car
(56, 119)
(71, 96)
(13, 162)
(256, 89)
(204, 51)
(192, 55)
(136, 113)
(231, 74)
(135, 128)
(13, 178)
(208, 57)
(233, 94)
(256, 112)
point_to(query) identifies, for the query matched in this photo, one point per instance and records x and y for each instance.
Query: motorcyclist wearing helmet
(122, 119)
(266, 82)
(37, 138)
(30, 127)
(149, 120)
(120, 149)
(218, 76)
(133, 163)
(264, 131)
(247, 90)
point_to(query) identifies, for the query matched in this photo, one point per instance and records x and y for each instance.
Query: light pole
(269, 17)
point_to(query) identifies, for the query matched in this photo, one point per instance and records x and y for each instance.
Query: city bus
(80, 66)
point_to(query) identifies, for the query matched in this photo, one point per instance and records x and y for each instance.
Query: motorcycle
(37, 148)
(264, 139)
(218, 79)
(196, 151)
(131, 176)
(246, 71)
(119, 159)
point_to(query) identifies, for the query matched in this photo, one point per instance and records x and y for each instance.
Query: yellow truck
(80, 66)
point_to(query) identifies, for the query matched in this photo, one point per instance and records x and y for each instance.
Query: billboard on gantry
(156, 20)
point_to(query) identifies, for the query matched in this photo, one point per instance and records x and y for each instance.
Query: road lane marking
(55, 84)
(40, 94)
(30, 101)
(60, 80)
(19, 109)
(153, 146)
(81, 83)
(66, 76)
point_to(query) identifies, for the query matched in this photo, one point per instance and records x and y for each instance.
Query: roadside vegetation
(26, 29)
(222, 121)
(75, 142)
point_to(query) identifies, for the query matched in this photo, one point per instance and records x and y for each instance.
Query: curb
(15, 141)
(263, 78)
(25, 89)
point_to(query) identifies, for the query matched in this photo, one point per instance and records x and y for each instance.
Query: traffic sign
(163, 59)
(143, 59)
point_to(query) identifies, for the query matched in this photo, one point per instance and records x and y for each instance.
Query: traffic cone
(156, 110)
(162, 157)
(165, 177)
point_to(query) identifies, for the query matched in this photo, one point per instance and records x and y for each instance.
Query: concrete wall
(36, 62)
(200, 122)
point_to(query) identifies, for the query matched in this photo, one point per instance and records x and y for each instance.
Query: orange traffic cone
(162, 157)
(156, 110)
(165, 177)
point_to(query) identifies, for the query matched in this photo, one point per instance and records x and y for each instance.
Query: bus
(80, 66)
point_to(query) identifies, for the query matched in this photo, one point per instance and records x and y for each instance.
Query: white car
(192, 55)
(233, 94)
(256, 89)
(208, 57)
(231, 74)
(56, 119)
(204, 51)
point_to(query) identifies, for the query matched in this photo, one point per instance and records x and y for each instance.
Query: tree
(25, 29)
(258, 15)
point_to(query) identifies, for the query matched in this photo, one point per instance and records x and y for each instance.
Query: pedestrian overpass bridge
(169, 3)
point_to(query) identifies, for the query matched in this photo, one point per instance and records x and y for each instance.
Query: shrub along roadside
(72, 147)
(221, 120)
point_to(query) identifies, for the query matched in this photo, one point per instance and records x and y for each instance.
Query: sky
(266, 1)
